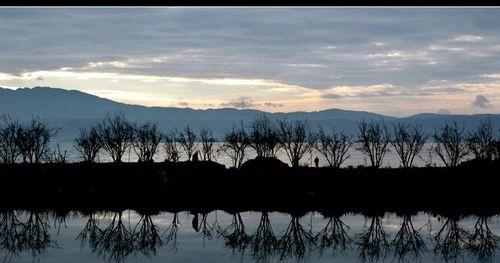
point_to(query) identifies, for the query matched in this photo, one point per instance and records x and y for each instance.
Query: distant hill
(71, 109)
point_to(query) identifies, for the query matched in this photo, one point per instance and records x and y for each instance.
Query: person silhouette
(195, 156)
(316, 161)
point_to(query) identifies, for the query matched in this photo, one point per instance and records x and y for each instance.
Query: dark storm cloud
(314, 48)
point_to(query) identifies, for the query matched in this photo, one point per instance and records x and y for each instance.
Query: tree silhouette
(408, 143)
(147, 138)
(187, 139)
(450, 240)
(88, 143)
(407, 241)
(146, 236)
(296, 241)
(235, 236)
(208, 149)
(172, 153)
(263, 242)
(482, 242)
(9, 142)
(334, 147)
(90, 233)
(170, 235)
(450, 144)
(264, 138)
(296, 139)
(333, 235)
(481, 142)
(117, 135)
(33, 140)
(373, 241)
(235, 143)
(115, 242)
(374, 139)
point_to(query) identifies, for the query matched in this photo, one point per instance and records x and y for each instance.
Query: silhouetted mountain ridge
(72, 109)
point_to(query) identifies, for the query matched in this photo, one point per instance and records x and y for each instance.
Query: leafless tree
(90, 233)
(408, 142)
(374, 139)
(146, 141)
(33, 140)
(235, 143)
(450, 144)
(187, 140)
(407, 240)
(146, 236)
(57, 155)
(10, 234)
(9, 148)
(482, 242)
(236, 237)
(117, 135)
(296, 139)
(208, 149)
(296, 242)
(34, 234)
(334, 147)
(481, 142)
(88, 143)
(264, 138)
(334, 235)
(172, 153)
(373, 241)
(115, 242)
(450, 240)
(263, 242)
(171, 233)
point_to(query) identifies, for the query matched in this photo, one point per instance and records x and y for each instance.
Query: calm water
(245, 237)
(356, 157)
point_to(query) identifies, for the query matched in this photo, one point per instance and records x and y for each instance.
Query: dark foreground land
(471, 188)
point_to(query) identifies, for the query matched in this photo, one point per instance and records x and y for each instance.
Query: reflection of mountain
(72, 109)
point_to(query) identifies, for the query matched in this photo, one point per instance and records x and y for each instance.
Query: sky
(386, 60)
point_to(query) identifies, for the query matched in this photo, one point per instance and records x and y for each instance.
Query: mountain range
(71, 109)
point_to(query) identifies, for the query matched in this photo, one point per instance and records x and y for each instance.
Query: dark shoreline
(205, 186)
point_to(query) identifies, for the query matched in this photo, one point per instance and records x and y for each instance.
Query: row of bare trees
(115, 135)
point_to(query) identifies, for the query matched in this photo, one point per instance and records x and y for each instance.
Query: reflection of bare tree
(296, 241)
(263, 242)
(10, 235)
(146, 236)
(334, 235)
(90, 233)
(408, 240)
(450, 240)
(482, 242)
(235, 235)
(372, 242)
(115, 241)
(205, 229)
(34, 234)
(170, 235)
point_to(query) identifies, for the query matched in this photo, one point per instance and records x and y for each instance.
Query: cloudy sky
(391, 61)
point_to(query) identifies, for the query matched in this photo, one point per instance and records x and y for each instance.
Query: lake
(219, 236)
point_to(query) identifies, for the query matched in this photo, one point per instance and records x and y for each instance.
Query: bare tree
(450, 144)
(450, 239)
(374, 139)
(334, 147)
(187, 139)
(296, 242)
(408, 240)
(264, 137)
(9, 148)
(482, 242)
(263, 242)
(296, 139)
(408, 143)
(146, 236)
(208, 149)
(334, 235)
(172, 153)
(117, 135)
(88, 143)
(58, 155)
(481, 142)
(373, 241)
(33, 140)
(235, 143)
(146, 141)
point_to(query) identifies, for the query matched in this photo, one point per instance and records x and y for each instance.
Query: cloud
(274, 105)
(183, 104)
(240, 103)
(444, 111)
(467, 38)
(482, 102)
(331, 96)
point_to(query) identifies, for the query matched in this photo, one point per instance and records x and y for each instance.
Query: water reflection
(255, 237)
